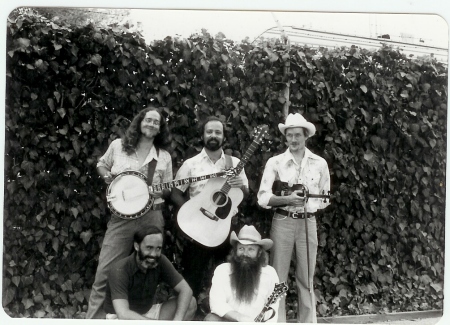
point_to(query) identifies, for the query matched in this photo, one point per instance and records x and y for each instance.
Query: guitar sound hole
(220, 199)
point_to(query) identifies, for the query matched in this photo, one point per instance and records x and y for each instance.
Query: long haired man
(144, 143)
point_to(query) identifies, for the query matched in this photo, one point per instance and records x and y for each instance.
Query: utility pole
(286, 68)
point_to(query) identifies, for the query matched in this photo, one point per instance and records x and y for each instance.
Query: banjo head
(128, 196)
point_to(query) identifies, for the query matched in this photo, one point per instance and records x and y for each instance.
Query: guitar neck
(189, 180)
(251, 149)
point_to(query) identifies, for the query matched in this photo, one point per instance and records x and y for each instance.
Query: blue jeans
(117, 244)
(288, 233)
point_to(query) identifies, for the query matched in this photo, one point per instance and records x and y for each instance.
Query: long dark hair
(133, 133)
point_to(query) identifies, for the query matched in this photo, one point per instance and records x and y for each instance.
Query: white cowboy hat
(248, 235)
(297, 120)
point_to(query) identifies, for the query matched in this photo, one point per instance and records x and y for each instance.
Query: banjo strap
(151, 168)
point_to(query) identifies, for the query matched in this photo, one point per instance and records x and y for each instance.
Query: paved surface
(431, 317)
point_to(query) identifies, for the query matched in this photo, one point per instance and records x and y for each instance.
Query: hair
(144, 232)
(133, 133)
(245, 277)
(210, 119)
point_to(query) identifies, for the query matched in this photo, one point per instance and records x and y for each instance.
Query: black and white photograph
(227, 162)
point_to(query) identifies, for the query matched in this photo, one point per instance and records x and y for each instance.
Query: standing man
(297, 165)
(132, 283)
(143, 143)
(210, 160)
(241, 287)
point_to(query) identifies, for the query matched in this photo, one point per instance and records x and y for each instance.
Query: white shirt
(313, 172)
(222, 300)
(200, 165)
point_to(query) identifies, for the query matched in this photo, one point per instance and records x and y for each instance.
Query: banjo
(128, 194)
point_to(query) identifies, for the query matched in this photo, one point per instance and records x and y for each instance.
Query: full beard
(213, 144)
(147, 261)
(245, 277)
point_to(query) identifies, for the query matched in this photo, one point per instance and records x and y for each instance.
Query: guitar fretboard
(226, 187)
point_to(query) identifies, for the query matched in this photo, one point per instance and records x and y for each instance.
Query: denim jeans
(288, 233)
(117, 244)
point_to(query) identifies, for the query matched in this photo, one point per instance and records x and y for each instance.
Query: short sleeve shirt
(127, 281)
(201, 165)
(117, 160)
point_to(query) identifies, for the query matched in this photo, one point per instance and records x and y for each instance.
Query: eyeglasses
(152, 121)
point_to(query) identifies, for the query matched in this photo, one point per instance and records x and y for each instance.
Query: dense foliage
(381, 120)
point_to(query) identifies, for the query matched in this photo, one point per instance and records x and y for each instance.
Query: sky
(238, 24)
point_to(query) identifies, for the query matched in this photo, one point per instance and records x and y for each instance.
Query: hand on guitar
(235, 181)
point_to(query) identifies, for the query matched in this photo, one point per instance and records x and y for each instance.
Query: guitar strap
(228, 162)
(151, 168)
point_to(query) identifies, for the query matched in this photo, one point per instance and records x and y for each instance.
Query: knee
(212, 318)
(192, 309)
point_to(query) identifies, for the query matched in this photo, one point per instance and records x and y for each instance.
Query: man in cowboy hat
(297, 165)
(241, 287)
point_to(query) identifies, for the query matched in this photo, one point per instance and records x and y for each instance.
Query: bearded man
(241, 287)
(132, 283)
(211, 159)
(141, 149)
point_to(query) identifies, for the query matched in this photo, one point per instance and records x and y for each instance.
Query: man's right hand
(108, 177)
(297, 200)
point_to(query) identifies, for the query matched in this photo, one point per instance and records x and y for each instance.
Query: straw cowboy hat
(297, 120)
(248, 235)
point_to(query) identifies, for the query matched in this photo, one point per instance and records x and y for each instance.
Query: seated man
(132, 283)
(241, 287)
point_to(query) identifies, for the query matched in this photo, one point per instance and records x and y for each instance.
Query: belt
(294, 215)
(157, 206)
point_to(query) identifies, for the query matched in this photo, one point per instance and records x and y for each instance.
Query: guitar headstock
(260, 132)
(279, 290)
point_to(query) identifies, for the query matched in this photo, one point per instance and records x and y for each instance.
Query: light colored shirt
(222, 299)
(313, 172)
(116, 161)
(200, 165)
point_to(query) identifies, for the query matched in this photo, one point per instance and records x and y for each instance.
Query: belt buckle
(294, 215)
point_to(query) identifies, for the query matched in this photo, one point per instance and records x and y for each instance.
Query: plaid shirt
(313, 172)
(116, 160)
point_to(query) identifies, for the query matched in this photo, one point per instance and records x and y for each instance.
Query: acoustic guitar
(206, 218)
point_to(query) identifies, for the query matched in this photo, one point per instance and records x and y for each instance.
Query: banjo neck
(171, 184)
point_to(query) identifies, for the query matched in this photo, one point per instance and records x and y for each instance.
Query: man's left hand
(156, 194)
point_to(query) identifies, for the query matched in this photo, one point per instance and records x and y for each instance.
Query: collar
(204, 155)
(133, 263)
(152, 154)
(287, 156)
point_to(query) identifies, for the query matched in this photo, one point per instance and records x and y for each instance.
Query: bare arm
(105, 173)
(122, 308)
(183, 300)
